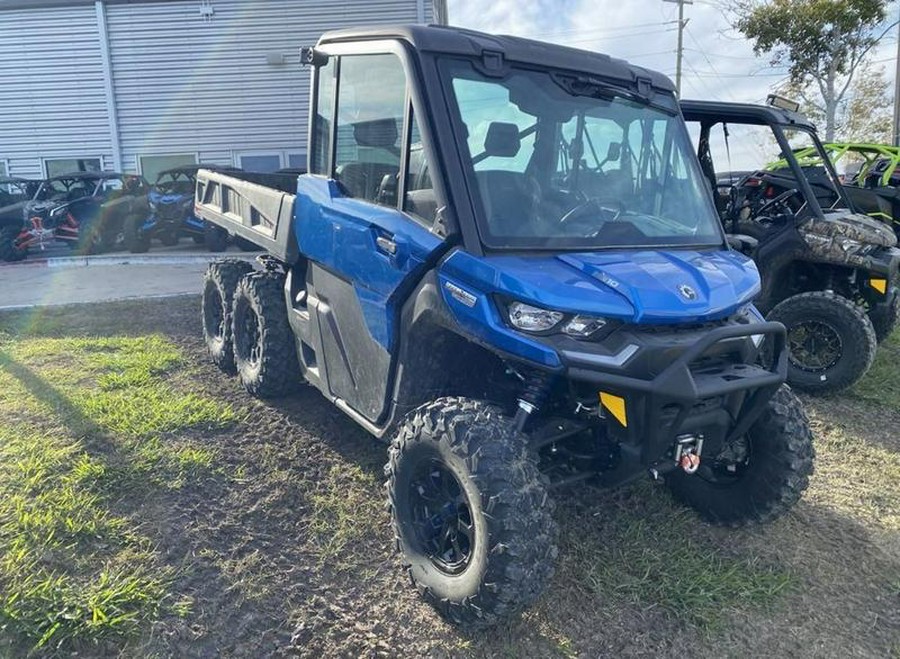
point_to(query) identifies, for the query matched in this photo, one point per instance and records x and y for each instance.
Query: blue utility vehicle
(506, 262)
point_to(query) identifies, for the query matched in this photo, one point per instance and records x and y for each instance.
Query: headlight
(533, 319)
(583, 326)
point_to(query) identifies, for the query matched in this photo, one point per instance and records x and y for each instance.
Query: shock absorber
(536, 386)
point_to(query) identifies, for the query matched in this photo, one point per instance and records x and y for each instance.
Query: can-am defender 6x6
(505, 262)
(828, 273)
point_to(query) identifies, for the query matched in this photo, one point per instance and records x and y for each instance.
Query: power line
(680, 53)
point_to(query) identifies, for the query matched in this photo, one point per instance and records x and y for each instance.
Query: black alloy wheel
(442, 517)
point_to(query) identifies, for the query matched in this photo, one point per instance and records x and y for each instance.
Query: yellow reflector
(616, 407)
(879, 285)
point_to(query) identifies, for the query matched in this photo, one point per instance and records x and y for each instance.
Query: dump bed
(257, 207)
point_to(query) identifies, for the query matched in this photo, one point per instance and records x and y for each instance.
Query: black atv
(86, 210)
(15, 194)
(828, 273)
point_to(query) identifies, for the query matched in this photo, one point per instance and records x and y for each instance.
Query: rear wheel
(831, 341)
(11, 244)
(137, 241)
(245, 245)
(470, 511)
(219, 284)
(759, 477)
(264, 349)
(215, 238)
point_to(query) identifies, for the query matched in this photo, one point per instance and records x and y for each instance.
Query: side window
(420, 199)
(322, 121)
(371, 107)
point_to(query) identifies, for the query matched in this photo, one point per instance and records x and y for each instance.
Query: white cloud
(718, 62)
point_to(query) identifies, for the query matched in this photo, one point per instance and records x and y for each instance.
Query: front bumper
(884, 262)
(712, 388)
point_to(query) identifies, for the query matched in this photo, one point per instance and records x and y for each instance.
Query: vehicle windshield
(65, 189)
(566, 162)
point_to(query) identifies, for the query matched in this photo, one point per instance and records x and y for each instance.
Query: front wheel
(760, 476)
(12, 246)
(470, 511)
(831, 341)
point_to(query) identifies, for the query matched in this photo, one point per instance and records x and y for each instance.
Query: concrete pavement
(63, 279)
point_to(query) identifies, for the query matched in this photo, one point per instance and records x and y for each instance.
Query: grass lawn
(149, 508)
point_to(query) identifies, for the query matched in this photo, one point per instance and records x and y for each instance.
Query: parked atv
(15, 193)
(870, 174)
(505, 263)
(86, 210)
(172, 213)
(828, 273)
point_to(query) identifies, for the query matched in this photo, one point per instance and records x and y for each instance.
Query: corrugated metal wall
(183, 82)
(52, 100)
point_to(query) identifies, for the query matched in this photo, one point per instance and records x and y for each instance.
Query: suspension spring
(535, 391)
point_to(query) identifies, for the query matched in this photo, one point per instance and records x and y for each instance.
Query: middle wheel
(264, 349)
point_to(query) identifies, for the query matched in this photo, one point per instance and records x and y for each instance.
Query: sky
(719, 63)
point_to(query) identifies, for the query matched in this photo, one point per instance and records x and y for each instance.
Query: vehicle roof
(89, 176)
(747, 113)
(192, 169)
(469, 43)
(864, 146)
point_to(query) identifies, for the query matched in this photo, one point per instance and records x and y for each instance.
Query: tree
(864, 114)
(822, 43)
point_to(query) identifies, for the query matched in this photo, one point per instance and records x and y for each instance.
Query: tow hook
(687, 452)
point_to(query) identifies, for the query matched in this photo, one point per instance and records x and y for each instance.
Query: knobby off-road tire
(779, 461)
(830, 315)
(264, 350)
(215, 238)
(219, 285)
(9, 248)
(885, 318)
(136, 241)
(502, 500)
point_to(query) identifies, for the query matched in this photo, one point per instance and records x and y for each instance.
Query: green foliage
(821, 43)
(812, 37)
(85, 422)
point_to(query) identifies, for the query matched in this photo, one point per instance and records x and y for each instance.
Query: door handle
(386, 245)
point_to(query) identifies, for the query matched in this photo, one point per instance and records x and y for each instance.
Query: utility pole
(897, 93)
(680, 52)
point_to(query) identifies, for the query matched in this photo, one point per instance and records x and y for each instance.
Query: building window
(296, 160)
(151, 166)
(59, 166)
(259, 162)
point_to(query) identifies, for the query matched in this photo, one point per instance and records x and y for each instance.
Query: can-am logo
(687, 292)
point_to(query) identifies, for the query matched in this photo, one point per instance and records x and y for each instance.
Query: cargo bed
(257, 207)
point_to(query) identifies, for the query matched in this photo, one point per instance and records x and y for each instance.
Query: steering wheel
(595, 204)
(777, 201)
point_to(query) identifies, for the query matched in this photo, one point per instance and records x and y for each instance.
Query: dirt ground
(286, 551)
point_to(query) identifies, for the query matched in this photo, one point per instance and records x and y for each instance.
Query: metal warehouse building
(143, 85)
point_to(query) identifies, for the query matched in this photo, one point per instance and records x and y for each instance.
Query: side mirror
(502, 140)
(614, 152)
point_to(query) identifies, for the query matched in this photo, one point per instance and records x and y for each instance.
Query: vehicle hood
(661, 287)
(157, 197)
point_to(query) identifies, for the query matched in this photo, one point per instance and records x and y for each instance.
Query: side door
(363, 220)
